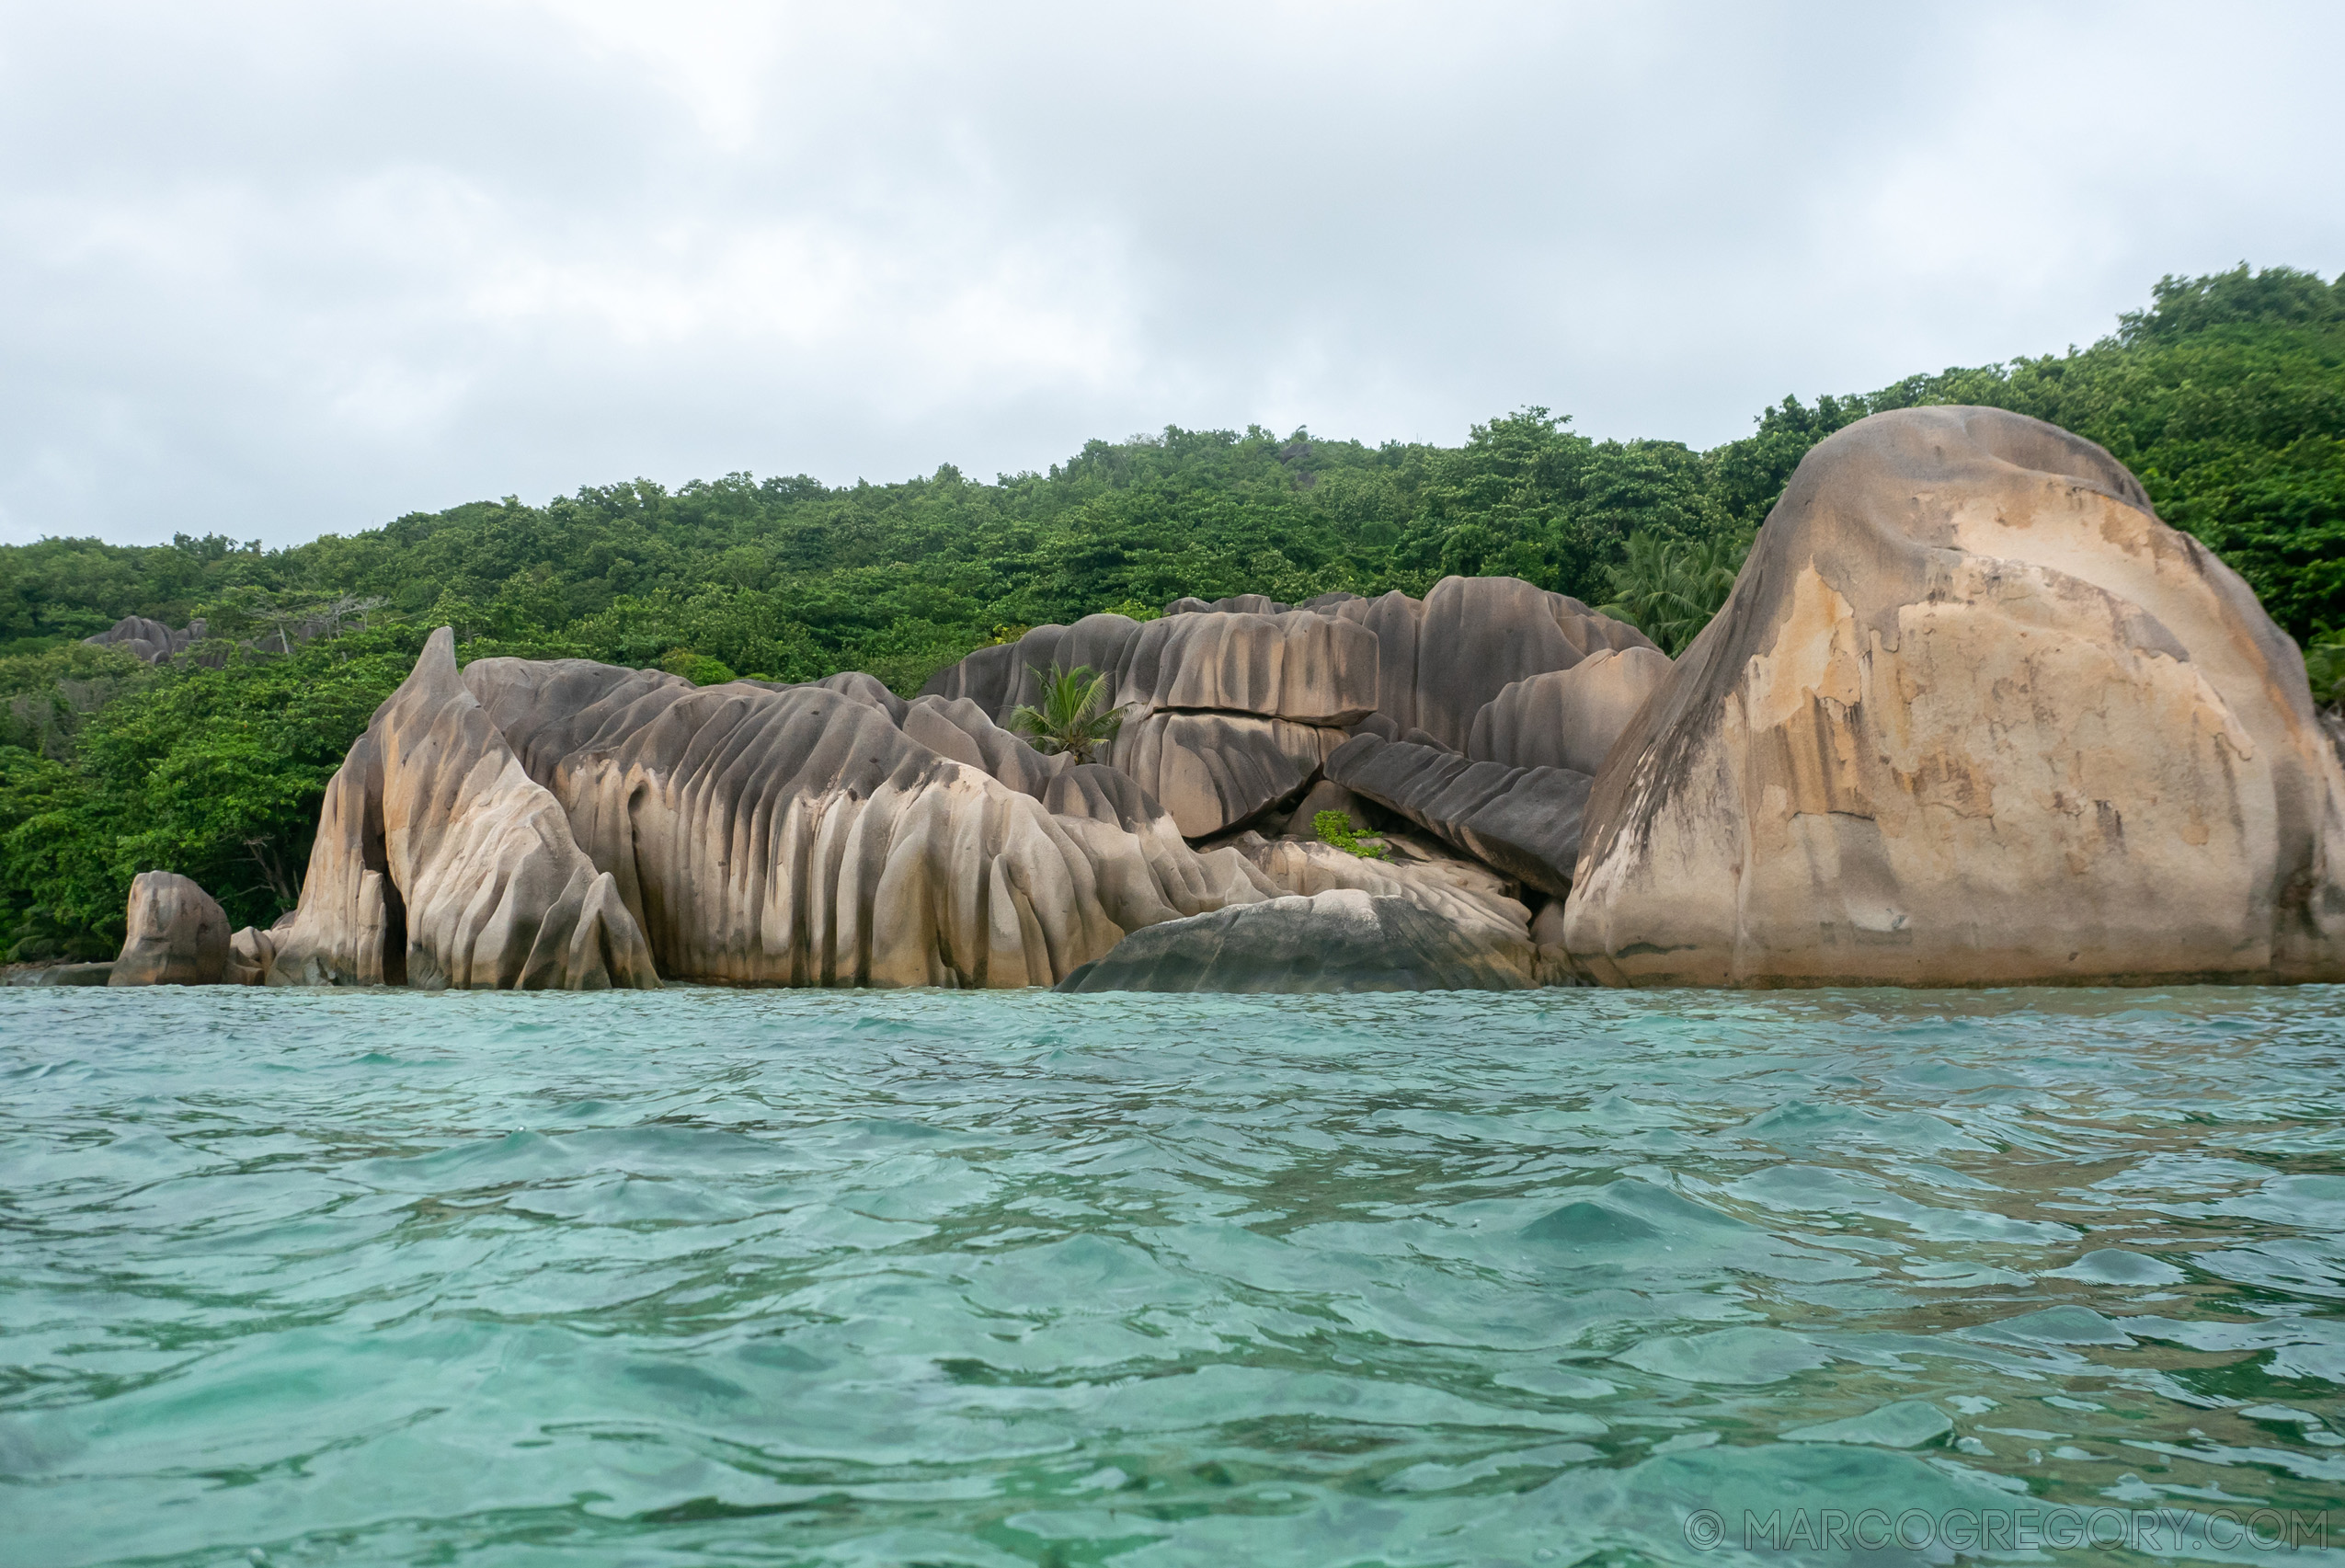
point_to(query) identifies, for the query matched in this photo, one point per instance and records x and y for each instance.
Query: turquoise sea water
(706, 1276)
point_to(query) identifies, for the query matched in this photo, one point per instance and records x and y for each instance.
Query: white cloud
(274, 270)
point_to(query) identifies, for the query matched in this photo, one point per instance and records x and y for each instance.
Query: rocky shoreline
(1972, 715)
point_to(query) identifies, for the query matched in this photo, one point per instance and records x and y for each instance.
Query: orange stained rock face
(1973, 715)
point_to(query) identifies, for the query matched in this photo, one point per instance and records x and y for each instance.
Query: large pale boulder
(1568, 718)
(1973, 715)
(1522, 821)
(1343, 940)
(177, 935)
(439, 862)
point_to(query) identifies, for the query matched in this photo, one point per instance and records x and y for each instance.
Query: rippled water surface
(763, 1278)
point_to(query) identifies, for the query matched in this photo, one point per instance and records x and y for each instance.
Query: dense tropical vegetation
(2226, 395)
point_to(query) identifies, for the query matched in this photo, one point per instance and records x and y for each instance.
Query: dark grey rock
(1299, 666)
(1524, 822)
(1442, 659)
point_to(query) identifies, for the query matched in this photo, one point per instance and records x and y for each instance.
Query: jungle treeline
(2225, 393)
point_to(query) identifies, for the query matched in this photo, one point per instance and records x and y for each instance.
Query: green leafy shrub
(1335, 828)
(696, 667)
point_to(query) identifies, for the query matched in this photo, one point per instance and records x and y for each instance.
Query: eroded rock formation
(1225, 714)
(569, 824)
(250, 952)
(1231, 708)
(1213, 771)
(1973, 715)
(959, 729)
(440, 862)
(1465, 893)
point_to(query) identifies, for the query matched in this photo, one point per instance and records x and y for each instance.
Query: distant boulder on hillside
(146, 639)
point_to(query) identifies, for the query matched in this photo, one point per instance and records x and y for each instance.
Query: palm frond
(1074, 715)
(1669, 589)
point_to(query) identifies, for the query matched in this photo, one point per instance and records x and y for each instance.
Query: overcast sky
(278, 271)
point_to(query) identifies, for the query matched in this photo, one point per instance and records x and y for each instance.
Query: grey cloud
(278, 271)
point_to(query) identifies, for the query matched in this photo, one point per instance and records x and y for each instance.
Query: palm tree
(1669, 589)
(1074, 716)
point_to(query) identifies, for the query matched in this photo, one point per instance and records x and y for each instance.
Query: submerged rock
(177, 935)
(1346, 941)
(1973, 715)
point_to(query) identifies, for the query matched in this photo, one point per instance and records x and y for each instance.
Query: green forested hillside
(2227, 394)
